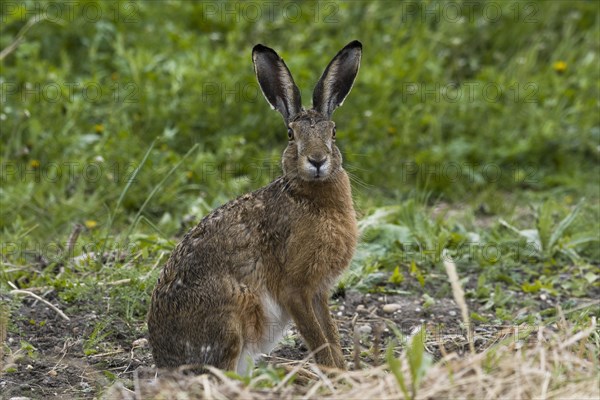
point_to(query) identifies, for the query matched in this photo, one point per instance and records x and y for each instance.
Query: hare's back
(237, 236)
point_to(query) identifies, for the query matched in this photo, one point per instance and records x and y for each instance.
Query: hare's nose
(317, 163)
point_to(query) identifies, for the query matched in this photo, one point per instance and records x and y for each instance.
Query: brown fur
(279, 248)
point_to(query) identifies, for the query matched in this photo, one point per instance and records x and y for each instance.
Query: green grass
(193, 83)
(137, 124)
(554, 251)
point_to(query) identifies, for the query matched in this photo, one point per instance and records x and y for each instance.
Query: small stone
(361, 309)
(380, 299)
(518, 344)
(365, 329)
(29, 367)
(452, 313)
(391, 308)
(143, 342)
(52, 372)
(543, 296)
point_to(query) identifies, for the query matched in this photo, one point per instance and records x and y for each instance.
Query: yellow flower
(99, 128)
(34, 164)
(91, 224)
(560, 66)
(569, 199)
(189, 174)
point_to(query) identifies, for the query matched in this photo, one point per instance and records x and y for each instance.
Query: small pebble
(361, 309)
(143, 342)
(365, 329)
(391, 308)
(543, 296)
(518, 344)
(52, 372)
(380, 299)
(452, 313)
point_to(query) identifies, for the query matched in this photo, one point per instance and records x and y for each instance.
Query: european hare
(234, 282)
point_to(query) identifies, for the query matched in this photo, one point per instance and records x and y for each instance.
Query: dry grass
(544, 365)
(517, 363)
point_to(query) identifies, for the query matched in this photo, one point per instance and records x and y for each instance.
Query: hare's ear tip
(355, 44)
(260, 48)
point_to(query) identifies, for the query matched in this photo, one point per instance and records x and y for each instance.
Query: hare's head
(311, 153)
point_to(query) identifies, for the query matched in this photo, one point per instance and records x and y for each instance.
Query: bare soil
(58, 368)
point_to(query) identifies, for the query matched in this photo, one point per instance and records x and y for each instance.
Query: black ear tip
(355, 44)
(259, 48)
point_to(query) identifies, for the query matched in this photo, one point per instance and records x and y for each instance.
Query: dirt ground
(59, 369)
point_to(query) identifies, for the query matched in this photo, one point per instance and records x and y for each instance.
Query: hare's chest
(327, 245)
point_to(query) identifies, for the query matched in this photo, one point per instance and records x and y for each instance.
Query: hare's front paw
(338, 357)
(326, 358)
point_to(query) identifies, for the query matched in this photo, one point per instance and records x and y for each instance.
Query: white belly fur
(276, 321)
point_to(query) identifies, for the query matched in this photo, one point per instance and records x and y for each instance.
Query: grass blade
(111, 216)
(396, 368)
(156, 189)
(418, 360)
(564, 224)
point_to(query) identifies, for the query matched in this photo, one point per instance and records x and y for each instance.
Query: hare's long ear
(337, 80)
(276, 82)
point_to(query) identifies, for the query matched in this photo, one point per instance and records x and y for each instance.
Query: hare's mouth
(316, 170)
(315, 178)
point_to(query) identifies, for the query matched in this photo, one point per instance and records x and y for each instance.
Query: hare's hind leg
(215, 341)
(229, 350)
(194, 334)
(253, 325)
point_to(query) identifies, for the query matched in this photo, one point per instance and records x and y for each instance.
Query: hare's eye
(290, 133)
(333, 133)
